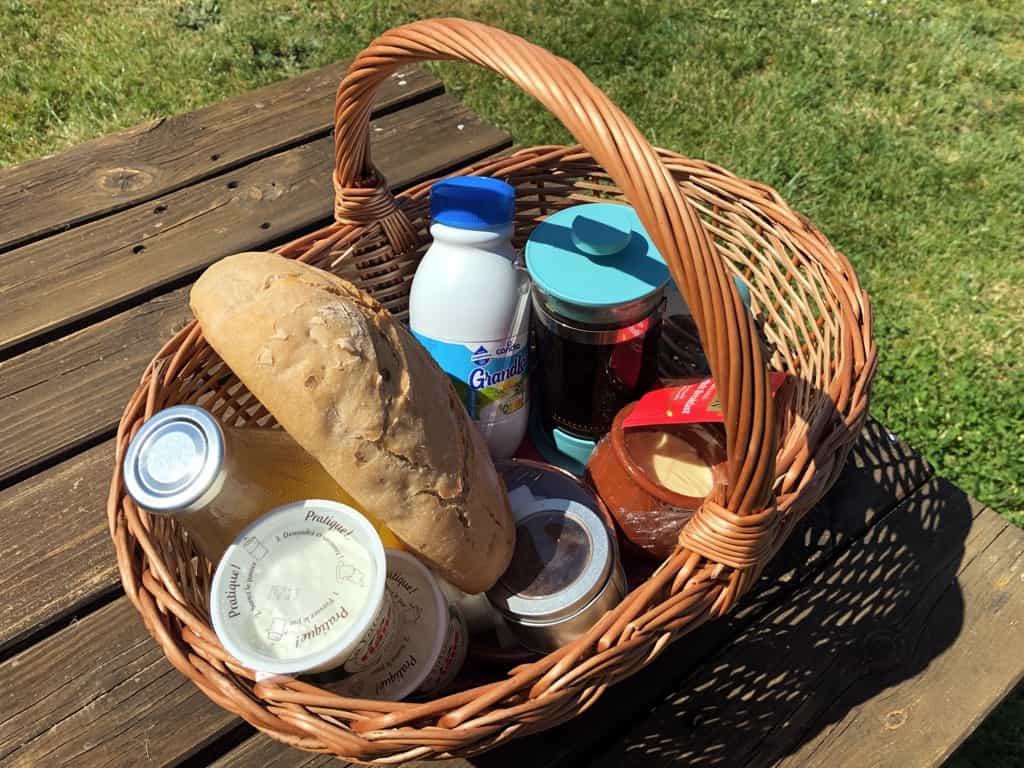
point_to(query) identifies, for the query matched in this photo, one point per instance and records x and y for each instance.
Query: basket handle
(726, 328)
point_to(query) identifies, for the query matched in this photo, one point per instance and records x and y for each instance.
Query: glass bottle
(215, 480)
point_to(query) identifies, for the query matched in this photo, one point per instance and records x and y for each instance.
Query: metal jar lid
(562, 560)
(175, 458)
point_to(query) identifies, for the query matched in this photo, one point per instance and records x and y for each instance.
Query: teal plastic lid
(595, 255)
(567, 451)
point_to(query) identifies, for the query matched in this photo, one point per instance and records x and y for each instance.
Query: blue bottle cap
(595, 255)
(472, 202)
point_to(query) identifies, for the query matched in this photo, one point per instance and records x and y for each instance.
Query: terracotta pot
(648, 514)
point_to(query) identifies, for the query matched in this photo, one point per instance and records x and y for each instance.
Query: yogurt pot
(302, 589)
(453, 656)
(433, 639)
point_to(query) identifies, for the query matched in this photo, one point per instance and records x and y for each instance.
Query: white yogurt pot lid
(421, 616)
(298, 588)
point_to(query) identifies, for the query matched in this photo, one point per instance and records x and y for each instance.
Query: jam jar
(598, 293)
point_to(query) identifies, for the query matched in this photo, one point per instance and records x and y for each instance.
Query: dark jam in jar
(582, 385)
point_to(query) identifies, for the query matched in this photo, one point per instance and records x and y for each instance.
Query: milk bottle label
(489, 376)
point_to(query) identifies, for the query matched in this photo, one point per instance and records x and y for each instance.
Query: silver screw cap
(174, 459)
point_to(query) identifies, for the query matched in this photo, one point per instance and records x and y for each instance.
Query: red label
(695, 403)
(634, 331)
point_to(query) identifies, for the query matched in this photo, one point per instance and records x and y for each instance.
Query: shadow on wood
(879, 614)
(880, 473)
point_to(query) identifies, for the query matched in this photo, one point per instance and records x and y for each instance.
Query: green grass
(896, 126)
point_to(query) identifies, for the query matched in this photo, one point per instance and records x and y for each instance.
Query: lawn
(898, 127)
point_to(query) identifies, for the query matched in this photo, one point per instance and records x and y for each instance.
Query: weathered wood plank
(112, 173)
(888, 718)
(881, 472)
(96, 368)
(100, 693)
(266, 752)
(69, 392)
(55, 550)
(65, 278)
(868, 663)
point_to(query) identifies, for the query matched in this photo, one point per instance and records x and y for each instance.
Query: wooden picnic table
(884, 632)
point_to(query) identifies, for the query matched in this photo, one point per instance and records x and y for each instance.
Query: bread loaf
(359, 393)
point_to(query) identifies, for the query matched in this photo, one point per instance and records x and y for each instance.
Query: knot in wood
(736, 541)
(124, 181)
(895, 719)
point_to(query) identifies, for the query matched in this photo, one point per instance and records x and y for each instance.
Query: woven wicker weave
(709, 225)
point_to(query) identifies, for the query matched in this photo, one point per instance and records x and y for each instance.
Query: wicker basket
(709, 225)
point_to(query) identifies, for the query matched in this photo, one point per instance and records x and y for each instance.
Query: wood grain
(62, 395)
(55, 551)
(112, 173)
(101, 693)
(115, 260)
(961, 634)
(261, 750)
(870, 663)
(97, 367)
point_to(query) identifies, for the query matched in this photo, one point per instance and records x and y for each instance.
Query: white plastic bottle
(470, 305)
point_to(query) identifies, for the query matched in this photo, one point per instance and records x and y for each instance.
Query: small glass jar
(591, 369)
(598, 294)
(215, 480)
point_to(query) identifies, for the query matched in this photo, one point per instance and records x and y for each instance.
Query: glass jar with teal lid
(598, 291)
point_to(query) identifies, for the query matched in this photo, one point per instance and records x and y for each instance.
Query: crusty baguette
(359, 393)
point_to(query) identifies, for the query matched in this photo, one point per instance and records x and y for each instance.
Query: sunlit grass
(897, 127)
